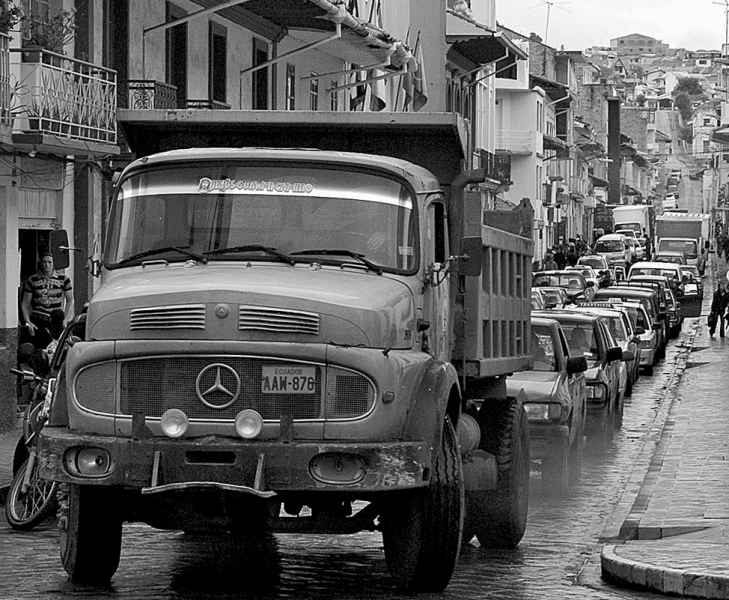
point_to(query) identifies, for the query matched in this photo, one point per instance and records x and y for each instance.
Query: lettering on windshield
(207, 185)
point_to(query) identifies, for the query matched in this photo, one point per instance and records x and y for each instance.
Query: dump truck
(304, 324)
(683, 232)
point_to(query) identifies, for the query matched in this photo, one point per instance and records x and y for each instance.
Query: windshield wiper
(254, 247)
(325, 252)
(152, 252)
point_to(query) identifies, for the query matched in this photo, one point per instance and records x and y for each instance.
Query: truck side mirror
(470, 261)
(59, 249)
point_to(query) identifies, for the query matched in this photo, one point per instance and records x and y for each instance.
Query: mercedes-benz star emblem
(217, 386)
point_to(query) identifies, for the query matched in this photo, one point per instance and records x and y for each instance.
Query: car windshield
(228, 211)
(688, 247)
(609, 246)
(566, 280)
(594, 262)
(543, 349)
(617, 328)
(582, 341)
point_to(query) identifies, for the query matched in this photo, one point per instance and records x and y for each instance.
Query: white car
(669, 202)
(588, 273)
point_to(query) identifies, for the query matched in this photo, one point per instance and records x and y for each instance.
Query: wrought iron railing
(498, 166)
(62, 96)
(145, 94)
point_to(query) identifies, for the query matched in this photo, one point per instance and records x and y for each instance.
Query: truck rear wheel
(91, 534)
(498, 518)
(422, 535)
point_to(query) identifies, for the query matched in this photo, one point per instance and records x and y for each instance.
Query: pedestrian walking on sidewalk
(719, 304)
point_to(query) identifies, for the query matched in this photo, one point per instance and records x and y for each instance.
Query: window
(34, 10)
(217, 63)
(314, 92)
(334, 97)
(290, 87)
(259, 89)
(176, 54)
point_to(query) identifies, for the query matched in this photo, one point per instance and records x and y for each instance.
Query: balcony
(519, 142)
(497, 166)
(61, 105)
(147, 94)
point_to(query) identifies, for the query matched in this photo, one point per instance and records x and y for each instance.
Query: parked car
(669, 202)
(671, 272)
(600, 264)
(555, 403)
(556, 297)
(695, 276)
(588, 273)
(588, 335)
(674, 319)
(650, 301)
(636, 246)
(573, 282)
(539, 300)
(612, 247)
(691, 294)
(624, 332)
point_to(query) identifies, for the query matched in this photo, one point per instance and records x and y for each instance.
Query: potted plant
(10, 15)
(52, 33)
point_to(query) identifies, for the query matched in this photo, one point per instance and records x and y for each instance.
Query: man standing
(719, 302)
(43, 293)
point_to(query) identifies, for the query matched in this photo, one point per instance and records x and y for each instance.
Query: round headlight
(248, 424)
(174, 423)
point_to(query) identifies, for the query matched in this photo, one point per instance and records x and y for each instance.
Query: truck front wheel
(422, 534)
(498, 518)
(91, 534)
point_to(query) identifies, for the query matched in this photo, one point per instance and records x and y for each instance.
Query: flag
(419, 84)
(377, 91)
(356, 100)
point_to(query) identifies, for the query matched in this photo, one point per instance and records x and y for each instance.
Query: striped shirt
(47, 293)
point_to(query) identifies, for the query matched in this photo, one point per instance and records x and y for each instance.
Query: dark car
(674, 318)
(574, 283)
(649, 299)
(555, 405)
(588, 335)
(625, 334)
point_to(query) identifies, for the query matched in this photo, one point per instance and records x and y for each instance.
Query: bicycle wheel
(25, 510)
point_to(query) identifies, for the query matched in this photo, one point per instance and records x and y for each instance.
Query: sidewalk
(675, 538)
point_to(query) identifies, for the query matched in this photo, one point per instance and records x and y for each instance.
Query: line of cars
(591, 338)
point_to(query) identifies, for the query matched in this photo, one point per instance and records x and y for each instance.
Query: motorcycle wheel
(25, 510)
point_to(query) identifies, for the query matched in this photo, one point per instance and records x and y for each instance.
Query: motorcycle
(31, 499)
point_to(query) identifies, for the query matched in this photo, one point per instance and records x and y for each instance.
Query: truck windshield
(223, 212)
(689, 247)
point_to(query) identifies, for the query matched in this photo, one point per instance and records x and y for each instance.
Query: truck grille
(190, 316)
(277, 320)
(154, 385)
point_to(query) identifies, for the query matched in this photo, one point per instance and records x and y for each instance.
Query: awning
(599, 182)
(720, 135)
(553, 89)
(478, 43)
(553, 143)
(361, 43)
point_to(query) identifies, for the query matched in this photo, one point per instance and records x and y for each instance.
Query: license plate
(288, 379)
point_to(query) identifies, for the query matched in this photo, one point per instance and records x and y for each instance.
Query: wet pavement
(624, 489)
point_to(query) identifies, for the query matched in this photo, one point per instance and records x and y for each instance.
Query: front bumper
(260, 468)
(545, 438)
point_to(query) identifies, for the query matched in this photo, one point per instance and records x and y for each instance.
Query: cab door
(434, 330)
